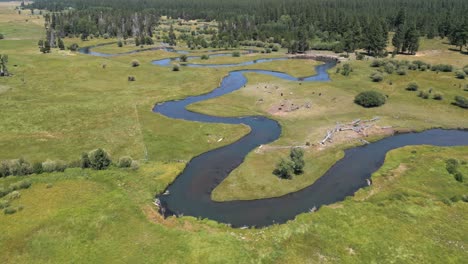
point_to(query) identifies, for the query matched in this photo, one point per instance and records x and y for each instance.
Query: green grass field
(57, 105)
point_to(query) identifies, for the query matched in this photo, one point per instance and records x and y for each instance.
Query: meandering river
(190, 193)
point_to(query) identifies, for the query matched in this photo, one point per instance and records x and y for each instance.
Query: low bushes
(461, 101)
(135, 63)
(442, 68)
(205, 57)
(370, 99)
(452, 166)
(176, 67)
(412, 87)
(460, 74)
(376, 77)
(236, 54)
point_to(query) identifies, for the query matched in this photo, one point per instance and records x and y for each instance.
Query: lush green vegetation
(370, 99)
(57, 105)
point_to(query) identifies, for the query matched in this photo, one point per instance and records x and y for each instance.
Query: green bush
(84, 161)
(401, 70)
(236, 54)
(376, 77)
(297, 157)
(377, 63)
(2, 36)
(135, 63)
(389, 68)
(13, 195)
(49, 166)
(135, 165)
(451, 165)
(37, 168)
(423, 95)
(347, 69)
(119, 44)
(284, 169)
(9, 210)
(370, 99)
(176, 67)
(412, 87)
(183, 58)
(438, 96)
(73, 47)
(458, 176)
(460, 74)
(125, 162)
(205, 57)
(461, 101)
(99, 159)
(442, 68)
(4, 204)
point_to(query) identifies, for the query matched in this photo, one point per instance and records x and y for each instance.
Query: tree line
(344, 25)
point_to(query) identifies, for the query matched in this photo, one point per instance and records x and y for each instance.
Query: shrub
(465, 69)
(451, 165)
(275, 48)
(119, 44)
(49, 166)
(125, 162)
(377, 63)
(60, 165)
(13, 195)
(9, 210)
(412, 87)
(359, 56)
(284, 169)
(438, 96)
(135, 63)
(37, 168)
(347, 69)
(401, 70)
(135, 165)
(176, 67)
(73, 47)
(183, 58)
(84, 161)
(2, 36)
(297, 157)
(460, 74)
(4, 204)
(442, 68)
(236, 54)
(205, 57)
(131, 78)
(376, 77)
(105, 35)
(389, 68)
(458, 176)
(24, 184)
(461, 101)
(370, 99)
(423, 95)
(423, 68)
(99, 159)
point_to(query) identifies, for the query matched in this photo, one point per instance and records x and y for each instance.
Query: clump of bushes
(236, 54)
(376, 77)
(461, 101)
(389, 68)
(183, 58)
(73, 47)
(119, 44)
(377, 63)
(423, 95)
(412, 87)
(442, 68)
(295, 165)
(125, 162)
(346, 70)
(99, 159)
(176, 67)
(25, 184)
(452, 166)
(460, 74)
(359, 56)
(131, 78)
(437, 96)
(401, 70)
(370, 99)
(135, 63)
(205, 57)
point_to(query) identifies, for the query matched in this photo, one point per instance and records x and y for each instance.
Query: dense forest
(340, 25)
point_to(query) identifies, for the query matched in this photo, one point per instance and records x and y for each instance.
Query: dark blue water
(190, 193)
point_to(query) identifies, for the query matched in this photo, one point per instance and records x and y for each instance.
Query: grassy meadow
(57, 105)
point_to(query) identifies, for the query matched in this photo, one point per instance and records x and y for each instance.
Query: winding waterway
(190, 193)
